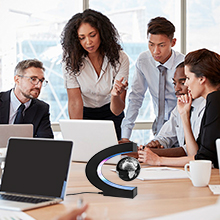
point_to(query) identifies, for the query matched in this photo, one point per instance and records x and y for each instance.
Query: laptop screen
(36, 166)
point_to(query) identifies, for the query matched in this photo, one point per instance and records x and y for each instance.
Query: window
(32, 29)
(131, 18)
(203, 24)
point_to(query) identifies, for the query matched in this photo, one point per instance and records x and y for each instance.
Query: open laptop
(35, 173)
(89, 137)
(14, 130)
(218, 150)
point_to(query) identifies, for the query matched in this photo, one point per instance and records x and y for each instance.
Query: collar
(104, 64)
(15, 103)
(169, 63)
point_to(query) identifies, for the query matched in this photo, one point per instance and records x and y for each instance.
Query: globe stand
(94, 171)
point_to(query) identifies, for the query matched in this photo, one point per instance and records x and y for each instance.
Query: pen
(79, 205)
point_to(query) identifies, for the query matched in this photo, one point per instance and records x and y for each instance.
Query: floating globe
(128, 168)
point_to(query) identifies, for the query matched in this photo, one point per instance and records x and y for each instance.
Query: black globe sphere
(128, 168)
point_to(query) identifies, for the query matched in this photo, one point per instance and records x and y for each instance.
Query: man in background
(154, 70)
(20, 104)
(170, 139)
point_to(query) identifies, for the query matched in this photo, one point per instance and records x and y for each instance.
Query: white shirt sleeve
(167, 136)
(123, 67)
(138, 89)
(70, 81)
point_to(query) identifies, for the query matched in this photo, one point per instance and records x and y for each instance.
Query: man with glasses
(20, 105)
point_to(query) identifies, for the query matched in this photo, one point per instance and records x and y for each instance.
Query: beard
(29, 95)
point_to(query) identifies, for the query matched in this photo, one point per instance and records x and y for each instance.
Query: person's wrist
(159, 161)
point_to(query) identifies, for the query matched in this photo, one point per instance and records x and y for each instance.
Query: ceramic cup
(200, 172)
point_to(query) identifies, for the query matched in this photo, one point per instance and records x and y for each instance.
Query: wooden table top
(155, 197)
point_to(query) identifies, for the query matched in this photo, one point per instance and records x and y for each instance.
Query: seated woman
(95, 68)
(202, 69)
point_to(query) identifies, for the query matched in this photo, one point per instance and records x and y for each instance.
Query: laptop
(14, 130)
(35, 173)
(218, 150)
(89, 137)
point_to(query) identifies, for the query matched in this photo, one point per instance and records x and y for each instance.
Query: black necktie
(19, 117)
(161, 101)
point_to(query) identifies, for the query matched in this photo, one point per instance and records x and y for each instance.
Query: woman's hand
(147, 156)
(184, 103)
(119, 87)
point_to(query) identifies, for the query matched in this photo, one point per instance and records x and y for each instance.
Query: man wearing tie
(20, 105)
(154, 70)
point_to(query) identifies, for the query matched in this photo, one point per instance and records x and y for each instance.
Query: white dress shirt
(96, 91)
(147, 76)
(172, 132)
(14, 105)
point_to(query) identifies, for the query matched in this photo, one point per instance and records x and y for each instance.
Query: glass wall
(131, 18)
(32, 29)
(203, 25)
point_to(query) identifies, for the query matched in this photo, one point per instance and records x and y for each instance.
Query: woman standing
(202, 69)
(95, 68)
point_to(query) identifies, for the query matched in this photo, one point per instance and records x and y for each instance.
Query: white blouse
(96, 90)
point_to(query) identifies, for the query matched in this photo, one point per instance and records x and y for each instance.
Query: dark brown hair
(206, 63)
(73, 52)
(161, 25)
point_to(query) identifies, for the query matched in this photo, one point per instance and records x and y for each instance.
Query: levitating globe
(128, 168)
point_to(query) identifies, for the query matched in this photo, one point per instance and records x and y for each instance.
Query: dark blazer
(37, 114)
(209, 129)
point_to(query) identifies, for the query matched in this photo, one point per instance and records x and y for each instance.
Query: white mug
(200, 172)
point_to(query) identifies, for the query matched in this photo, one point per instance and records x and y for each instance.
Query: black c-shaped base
(94, 172)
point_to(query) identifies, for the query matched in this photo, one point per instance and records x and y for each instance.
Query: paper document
(14, 215)
(215, 189)
(208, 212)
(158, 173)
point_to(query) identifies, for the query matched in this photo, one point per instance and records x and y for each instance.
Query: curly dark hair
(73, 52)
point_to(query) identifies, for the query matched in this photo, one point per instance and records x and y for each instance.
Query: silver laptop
(14, 130)
(89, 137)
(35, 173)
(218, 151)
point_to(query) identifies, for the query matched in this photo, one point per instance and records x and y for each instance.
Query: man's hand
(124, 140)
(154, 144)
(74, 214)
(132, 154)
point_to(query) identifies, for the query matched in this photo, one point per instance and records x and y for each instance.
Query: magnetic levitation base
(94, 171)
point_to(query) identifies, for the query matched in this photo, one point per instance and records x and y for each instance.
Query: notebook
(89, 137)
(35, 173)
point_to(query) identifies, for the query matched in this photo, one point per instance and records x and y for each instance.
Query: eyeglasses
(34, 80)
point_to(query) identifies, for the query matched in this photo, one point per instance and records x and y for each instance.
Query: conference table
(155, 197)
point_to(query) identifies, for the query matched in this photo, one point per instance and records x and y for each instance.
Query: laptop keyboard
(22, 199)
